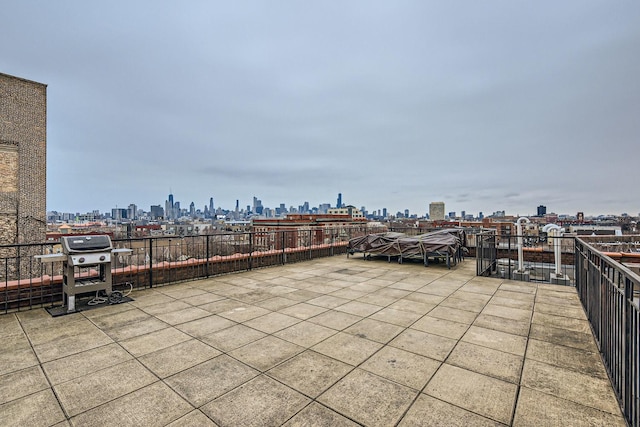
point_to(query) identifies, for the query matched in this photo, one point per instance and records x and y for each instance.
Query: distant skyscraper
(384, 212)
(339, 203)
(542, 210)
(436, 211)
(211, 205)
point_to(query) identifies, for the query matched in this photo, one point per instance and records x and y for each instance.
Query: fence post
(206, 265)
(151, 262)
(250, 249)
(284, 254)
(628, 360)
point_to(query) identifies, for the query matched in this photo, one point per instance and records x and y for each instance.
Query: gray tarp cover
(443, 241)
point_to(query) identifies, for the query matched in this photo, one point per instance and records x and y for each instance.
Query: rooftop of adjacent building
(333, 341)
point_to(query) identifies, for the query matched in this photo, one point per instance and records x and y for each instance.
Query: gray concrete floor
(329, 342)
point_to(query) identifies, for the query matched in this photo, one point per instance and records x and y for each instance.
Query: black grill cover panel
(76, 244)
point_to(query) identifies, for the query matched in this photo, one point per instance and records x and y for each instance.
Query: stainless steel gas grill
(86, 264)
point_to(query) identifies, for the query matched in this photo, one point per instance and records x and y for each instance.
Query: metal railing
(26, 282)
(610, 294)
(497, 256)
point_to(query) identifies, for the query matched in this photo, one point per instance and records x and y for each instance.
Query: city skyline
(186, 205)
(485, 107)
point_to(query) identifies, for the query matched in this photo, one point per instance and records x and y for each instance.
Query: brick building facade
(23, 144)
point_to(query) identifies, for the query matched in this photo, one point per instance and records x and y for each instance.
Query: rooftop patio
(332, 341)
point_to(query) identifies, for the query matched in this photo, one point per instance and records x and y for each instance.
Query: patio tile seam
(524, 358)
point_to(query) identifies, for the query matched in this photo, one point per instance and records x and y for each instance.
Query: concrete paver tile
(202, 299)
(576, 325)
(511, 313)
(502, 324)
(222, 305)
(486, 396)
(22, 383)
(317, 415)
(405, 304)
(453, 314)
(85, 363)
(358, 308)
(302, 310)
(310, 373)
(178, 357)
(71, 344)
(328, 301)
(586, 362)
(115, 320)
(444, 328)
(349, 293)
(496, 340)
(34, 410)
(379, 300)
(154, 341)
(150, 406)
(463, 304)
(396, 317)
(430, 412)
(335, 319)
(231, 338)
(512, 302)
(267, 352)
(203, 383)
(166, 307)
(305, 334)
(260, 402)
(205, 326)
(149, 298)
(374, 330)
(193, 419)
(425, 298)
(513, 295)
(119, 333)
(369, 399)
(16, 354)
(406, 368)
(487, 361)
(540, 409)
(243, 313)
(276, 303)
(183, 316)
(571, 385)
(513, 286)
(87, 392)
(272, 322)
(564, 337)
(429, 345)
(347, 348)
(575, 312)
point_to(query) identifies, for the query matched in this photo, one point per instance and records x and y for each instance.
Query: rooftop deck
(333, 341)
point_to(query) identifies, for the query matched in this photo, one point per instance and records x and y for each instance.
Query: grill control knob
(81, 260)
(102, 258)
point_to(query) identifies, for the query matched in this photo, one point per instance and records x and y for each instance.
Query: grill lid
(76, 244)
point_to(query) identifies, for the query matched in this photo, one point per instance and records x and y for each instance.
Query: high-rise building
(132, 211)
(542, 210)
(157, 212)
(339, 202)
(436, 211)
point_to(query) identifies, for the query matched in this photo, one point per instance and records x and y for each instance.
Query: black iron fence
(26, 282)
(610, 294)
(498, 256)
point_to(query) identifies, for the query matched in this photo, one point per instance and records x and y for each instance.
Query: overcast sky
(497, 105)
